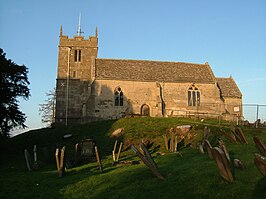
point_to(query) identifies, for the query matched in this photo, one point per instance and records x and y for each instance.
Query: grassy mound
(191, 175)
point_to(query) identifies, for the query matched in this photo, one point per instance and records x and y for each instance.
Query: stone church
(89, 88)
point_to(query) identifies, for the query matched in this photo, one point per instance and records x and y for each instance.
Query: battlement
(78, 41)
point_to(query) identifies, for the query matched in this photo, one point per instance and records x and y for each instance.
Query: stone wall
(137, 94)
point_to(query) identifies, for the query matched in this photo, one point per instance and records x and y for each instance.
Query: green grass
(191, 175)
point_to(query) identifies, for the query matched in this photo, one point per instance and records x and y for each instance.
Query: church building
(89, 88)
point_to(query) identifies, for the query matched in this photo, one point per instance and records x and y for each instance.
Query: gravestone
(183, 130)
(28, 160)
(241, 135)
(238, 164)
(118, 132)
(62, 162)
(154, 170)
(230, 136)
(260, 145)
(206, 133)
(222, 164)
(260, 163)
(148, 155)
(87, 151)
(98, 159)
(224, 149)
(207, 147)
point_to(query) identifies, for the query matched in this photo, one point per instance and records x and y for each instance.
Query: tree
(13, 84)
(47, 109)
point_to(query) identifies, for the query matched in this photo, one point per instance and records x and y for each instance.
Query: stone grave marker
(224, 149)
(260, 163)
(60, 160)
(260, 145)
(241, 135)
(148, 155)
(57, 159)
(98, 159)
(154, 170)
(222, 164)
(207, 147)
(229, 136)
(62, 168)
(28, 160)
(238, 164)
(166, 142)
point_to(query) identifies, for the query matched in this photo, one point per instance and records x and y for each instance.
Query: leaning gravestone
(154, 170)
(148, 155)
(183, 130)
(241, 135)
(260, 163)
(28, 160)
(222, 164)
(260, 145)
(207, 147)
(118, 132)
(224, 149)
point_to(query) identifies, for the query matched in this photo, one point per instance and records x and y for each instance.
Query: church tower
(75, 76)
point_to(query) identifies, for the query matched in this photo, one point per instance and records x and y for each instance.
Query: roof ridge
(145, 60)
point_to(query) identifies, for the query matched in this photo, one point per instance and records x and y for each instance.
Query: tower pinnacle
(79, 26)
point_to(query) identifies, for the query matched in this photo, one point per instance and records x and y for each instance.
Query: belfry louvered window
(77, 55)
(193, 96)
(118, 97)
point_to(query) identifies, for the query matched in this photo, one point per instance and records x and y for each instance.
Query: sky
(229, 35)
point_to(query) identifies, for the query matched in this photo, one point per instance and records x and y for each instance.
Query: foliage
(193, 175)
(47, 109)
(13, 84)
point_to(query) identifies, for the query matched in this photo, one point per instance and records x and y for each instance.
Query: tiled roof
(228, 87)
(141, 70)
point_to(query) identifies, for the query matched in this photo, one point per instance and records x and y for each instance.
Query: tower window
(118, 97)
(77, 55)
(193, 96)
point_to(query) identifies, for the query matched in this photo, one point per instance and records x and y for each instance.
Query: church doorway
(145, 110)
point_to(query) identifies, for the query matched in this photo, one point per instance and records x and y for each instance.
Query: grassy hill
(189, 175)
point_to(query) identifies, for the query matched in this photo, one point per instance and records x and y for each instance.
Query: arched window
(118, 97)
(193, 96)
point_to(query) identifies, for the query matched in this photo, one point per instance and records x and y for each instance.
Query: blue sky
(230, 35)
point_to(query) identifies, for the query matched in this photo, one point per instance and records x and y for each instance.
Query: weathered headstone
(148, 155)
(260, 145)
(114, 150)
(206, 133)
(222, 164)
(241, 135)
(62, 162)
(57, 159)
(77, 153)
(183, 130)
(238, 164)
(119, 151)
(98, 159)
(118, 132)
(260, 163)
(28, 160)
(166, 142)
(207, 147)
(230, 136)
(148, 164)
(87, 151)
(172, 139)
(224, 149)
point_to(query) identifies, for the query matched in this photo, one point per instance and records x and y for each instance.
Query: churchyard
(136, 158)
